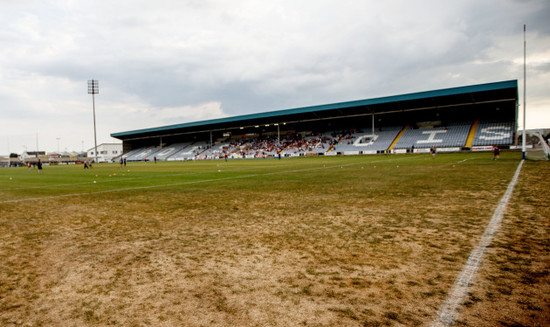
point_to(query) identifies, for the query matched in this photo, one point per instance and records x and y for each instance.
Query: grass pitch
(325, 241)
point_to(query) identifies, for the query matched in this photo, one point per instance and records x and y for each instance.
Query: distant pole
(524, 88)
(93, 89)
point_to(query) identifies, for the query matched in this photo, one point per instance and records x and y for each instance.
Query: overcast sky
(173, 61)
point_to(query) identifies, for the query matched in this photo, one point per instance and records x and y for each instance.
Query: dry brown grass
(357, 247)
(514, 282)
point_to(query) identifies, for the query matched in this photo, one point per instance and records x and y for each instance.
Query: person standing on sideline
(432, 150)
(39, 166)
(496, 152)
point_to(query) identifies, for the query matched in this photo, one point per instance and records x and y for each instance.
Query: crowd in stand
(269, 146)
(287, 145)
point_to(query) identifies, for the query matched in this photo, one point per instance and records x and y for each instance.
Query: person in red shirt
(496, 152)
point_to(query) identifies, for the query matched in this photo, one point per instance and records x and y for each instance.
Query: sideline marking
(448, 312)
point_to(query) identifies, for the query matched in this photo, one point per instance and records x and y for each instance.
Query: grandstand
(454, 119)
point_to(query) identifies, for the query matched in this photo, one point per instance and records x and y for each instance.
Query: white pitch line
(448, 312)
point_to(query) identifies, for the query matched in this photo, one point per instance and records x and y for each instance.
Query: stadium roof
(504, 91)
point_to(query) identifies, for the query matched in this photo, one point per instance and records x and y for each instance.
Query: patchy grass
(514, 281)
(347, 241)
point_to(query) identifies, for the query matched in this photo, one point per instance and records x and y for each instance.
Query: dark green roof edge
(395, 98)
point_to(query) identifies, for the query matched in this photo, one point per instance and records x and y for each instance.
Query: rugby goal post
(538, 152)
(545, 146)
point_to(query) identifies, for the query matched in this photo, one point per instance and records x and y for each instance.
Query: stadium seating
(363, 141)
(141, 154)
(168, 151)
(494, 133)
(357, 141)
(189, 151)
(215, 151)
(312, 143)
(261, 147)
(454, 135)
(319, 144)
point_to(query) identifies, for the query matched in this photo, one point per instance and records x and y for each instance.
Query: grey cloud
(255, 56)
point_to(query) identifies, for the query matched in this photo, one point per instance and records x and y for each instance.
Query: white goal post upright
(524, 88)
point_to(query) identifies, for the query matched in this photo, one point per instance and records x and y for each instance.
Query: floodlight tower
(93, 89)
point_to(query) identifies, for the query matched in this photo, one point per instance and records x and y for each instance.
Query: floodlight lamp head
(93, 86)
